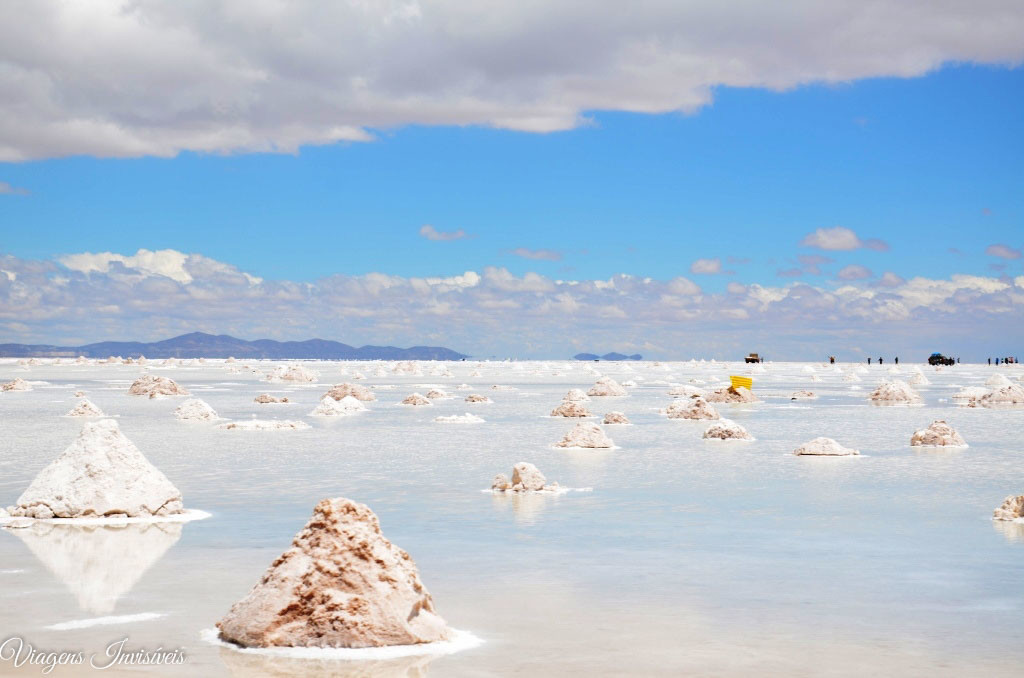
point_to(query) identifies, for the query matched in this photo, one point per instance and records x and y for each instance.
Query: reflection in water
(1012, 531)
(528, 506)
(99, 563)
(264, 666)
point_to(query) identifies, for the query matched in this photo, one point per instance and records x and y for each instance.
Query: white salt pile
(997, 380)
(339, 391)
(340, 584)
(266, 399)
(416, 399)
(1012, 394)
(101, 474)
(606, 386)
(466, 418)
(79, 394)
(477, 398)
(154, 387)
(576, 395)
(294, 374)
(329, 407)
(196, 409)
(570, 409)
(615, 418)
(525, 478)
(970, 393)
(732, 394)
(85, 408)
(436, 394)
(1012, 509)
(803, 395)
(938, 434)
(586, 435)
(685, 391)
(17, 384)
(694, 408)
(723, 429)
(918, 379)
(824, 447)
(265, 425)
(851, 376)
(894, 392)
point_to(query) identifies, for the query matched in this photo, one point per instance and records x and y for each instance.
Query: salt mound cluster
(339, 391)
(732, 394)
(477, 398)
(525, 478)
(575, 395)
(918, 380)
(101, 474)
(265, 425)
(1012, 394)
(416, 399)
(340, 584)
(196, 409)
(293, 373)
(803, 395)
(606, 386)
(1012, 509)
(892, 392)
(997, 380)
(586, 435)
(723, 429)
(615, 418)
(85, 408)
(466, 418)
(329, 407)
(694, 408)
(266, 398)
(938, 434)
(18, 384)
(570, 409)
(824, 447)
(154, 387)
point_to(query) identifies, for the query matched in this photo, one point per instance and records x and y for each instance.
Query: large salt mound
(723, 429)
(694, 408)
(477, 398)
(329, 407)
(85, 408)
(17, 384)
(824, 447)
(585, 435)
(997, 380)
(606, 386)
(339, 391)
(293, 373)
(466, 418)
(615, 418)
(570, 409)
(1012, 394)
(732, 394)
(416, 400)
(525, 478)
(100, 474)
(340, 584)
(196, 409)
(264, 425)
(894, 392)
(149, 385)
(1012, 509)
(576, 395)
(938, 434)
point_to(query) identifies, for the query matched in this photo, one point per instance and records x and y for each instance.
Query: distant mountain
(201, 345)
(607, 356)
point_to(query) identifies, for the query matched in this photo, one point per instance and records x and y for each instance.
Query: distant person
(958, 360)
(869, 361)
(897, 360)
(990, 361)
(879, 360)
(832, 360)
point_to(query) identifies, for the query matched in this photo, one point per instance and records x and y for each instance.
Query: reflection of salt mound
(266, 399)
(918, 379)
(803, 395)
(466, 418)
(997, 380)
(1012, 394)
(893, 392)
(576, 395)
(723, 429)
(100, 474)
(257, 664)
(938, 434)
(340, 584)
(17, 384)
(294, 374)
(196, 409)
(329, 407)
(154, 387)
(416, 400)
(265, 425)
(339, 391)
(1012, 509)
(570, 409)
(477, 398)
(694, 408)
(525, 478)
(824, 447)
(99, 563)
(586, 435)
(85, 408)
(615, 418)
(732, 394)
(606, 386)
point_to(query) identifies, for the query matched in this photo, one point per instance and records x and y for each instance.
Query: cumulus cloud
(812, 263)
(115, 78)
(706, 266)
(890, 279)
(537, 255)
(7, 189)
(841, 238)
(854, 272)
(1002, 251)
(430, 233)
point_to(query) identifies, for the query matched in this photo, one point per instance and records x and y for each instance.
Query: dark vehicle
(939, 359)
(752, 358)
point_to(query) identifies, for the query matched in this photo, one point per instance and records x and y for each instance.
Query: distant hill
(201, 345)
(607, 356)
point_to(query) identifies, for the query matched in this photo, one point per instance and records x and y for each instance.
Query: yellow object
(745, 382)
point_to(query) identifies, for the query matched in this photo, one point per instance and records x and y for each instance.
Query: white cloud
(431, 233)
(147, 77)
(537, 255)
(841, 238)
(7, 189)
(1002, 251)
(706, 266)
(854, 272)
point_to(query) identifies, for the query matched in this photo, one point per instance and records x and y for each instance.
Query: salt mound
(477, 398)
(629, 384)
(606, 386)
(435, 394)
(919, 380)
(195, 408)
(85, 408)
(824, 447)
(615, 418)
(732, 394)
(895, 370)
(101, 474)
(339, 391)
(970, 393)
(997, 380)
(723, 429)
(758, 369)
(266, 398)
(293, 373)
(851, 376)
(686, 391)
(154, 387)
(894, 392)
(1012, 394)
(570, 409)
(525, 478)
(18, 384)
(466, 418)
(803, 395)
(79, 394)
(576, 395)
(416, 399)
(1012, 509)
(585, 435)
(340, 584)
(695, 408)
(265, 425)
(938, 434)
(329, 407)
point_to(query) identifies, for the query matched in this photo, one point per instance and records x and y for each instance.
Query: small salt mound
(466, 418)
(293, 373)
(463, 387)
(436, 394)
(824, 447)
(339, 391)
(525, 478)
(101, 474)
(809, 369)
(686, 391)
(196, 409)
(416, 399)
(997, 380)
(154, 387)
(894, 392)
(758, 369)
(329, 407)
(803, 395)
(586, 435)
(85, 408)
(938, 434)
(629, 384)
(615, 418)
(18, 384)
(1012, 509)
(970, 393)
(265, 425)
(606, 386)
(503, 387)
(815, 377)
(851, 376)
(576, 395)
(723, 429)
(570, 409)
(895, 370)
(1013, 394)
(477, 398)
(918, 380)
(694, 408)
(732, 394)
(79, 394)
(266, 398)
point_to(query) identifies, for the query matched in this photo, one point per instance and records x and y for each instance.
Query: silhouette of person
(879, 360)
(897, 360)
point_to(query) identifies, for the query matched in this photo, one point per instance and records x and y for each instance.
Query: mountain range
(607, 356)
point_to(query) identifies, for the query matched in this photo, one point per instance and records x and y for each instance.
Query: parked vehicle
(939, 359)
(753, 358)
